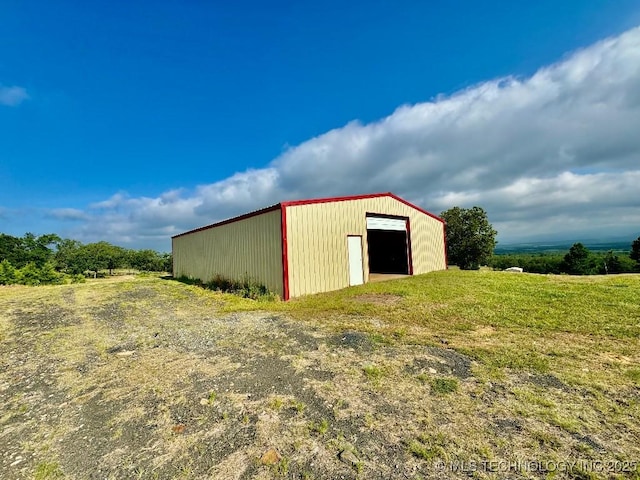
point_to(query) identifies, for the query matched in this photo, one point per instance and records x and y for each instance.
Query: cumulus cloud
(557, 153)
(12, 96)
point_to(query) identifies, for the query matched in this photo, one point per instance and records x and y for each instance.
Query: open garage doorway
(388, 245)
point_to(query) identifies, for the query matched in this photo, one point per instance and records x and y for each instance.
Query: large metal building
(310, 246)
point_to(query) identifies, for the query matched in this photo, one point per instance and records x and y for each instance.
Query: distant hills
(563, 246)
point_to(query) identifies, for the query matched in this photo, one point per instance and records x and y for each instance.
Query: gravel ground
(135, 378)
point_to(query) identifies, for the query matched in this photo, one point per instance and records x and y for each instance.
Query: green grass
(458, 301)
(47, 471)
(443, 386)
(429, 447)
(276, 403)
(321, 427)
(527, 322)
(373, 372)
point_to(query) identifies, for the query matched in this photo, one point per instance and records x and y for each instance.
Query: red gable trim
(360, 197)
(277, 206)
(409, 204)
(333, 199)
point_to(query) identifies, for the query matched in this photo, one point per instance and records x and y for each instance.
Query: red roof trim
(334, 199)
(409, 204)
(272, 208)
(360, 197)
(281, 205)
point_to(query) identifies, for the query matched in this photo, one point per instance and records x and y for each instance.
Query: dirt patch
(353, 340)
(42, 317)
(378, 298)
(307, 338)
(112, 314)
(507, 425)
(589, 441)
(547, 381)
(443, 361)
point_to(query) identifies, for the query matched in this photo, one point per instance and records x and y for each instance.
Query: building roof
(278, 206)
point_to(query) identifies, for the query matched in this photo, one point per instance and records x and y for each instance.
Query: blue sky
(133, 121)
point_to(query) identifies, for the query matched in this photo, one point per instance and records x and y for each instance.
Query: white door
(356, 275)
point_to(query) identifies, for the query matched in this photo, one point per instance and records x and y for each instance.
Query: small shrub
(29, 275)
(373, 372)
(281, 469)
(49, 276)
(298, 406)
(47, 471)
(275, 403)
(420, 450)
(429, 447)
(33, 275)
(321, 427)
(442, 386)
(245, 287)
(7, 273)
(77, 278)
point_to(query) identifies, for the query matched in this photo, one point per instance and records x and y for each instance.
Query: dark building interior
(387, 251)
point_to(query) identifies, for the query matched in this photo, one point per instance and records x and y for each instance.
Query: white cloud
(557, 154)
(12, 96)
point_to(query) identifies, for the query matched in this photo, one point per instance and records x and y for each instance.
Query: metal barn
(310, 246)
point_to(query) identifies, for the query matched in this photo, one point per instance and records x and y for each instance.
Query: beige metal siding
(317, 241)
(250, 247)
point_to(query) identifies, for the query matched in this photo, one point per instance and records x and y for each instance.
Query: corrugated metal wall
(252, 246)
(317, 241)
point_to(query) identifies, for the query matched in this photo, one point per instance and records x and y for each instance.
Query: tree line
(579, 260)
(471, 241)
(49, 259)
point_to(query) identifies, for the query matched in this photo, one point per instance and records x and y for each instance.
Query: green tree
(167, 262)
(635, 251)
(471, 239)
(49, 276)
(29, 275)
(146, 260)
(100, 256)
(611, 263)
(579, 261)
(37, 249)
(30, 248)
(68, 258)
(7, 273)
(11, 249)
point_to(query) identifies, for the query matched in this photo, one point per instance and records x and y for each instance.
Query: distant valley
(563, 246)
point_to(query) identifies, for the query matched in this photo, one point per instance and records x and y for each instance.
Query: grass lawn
(443, 375)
